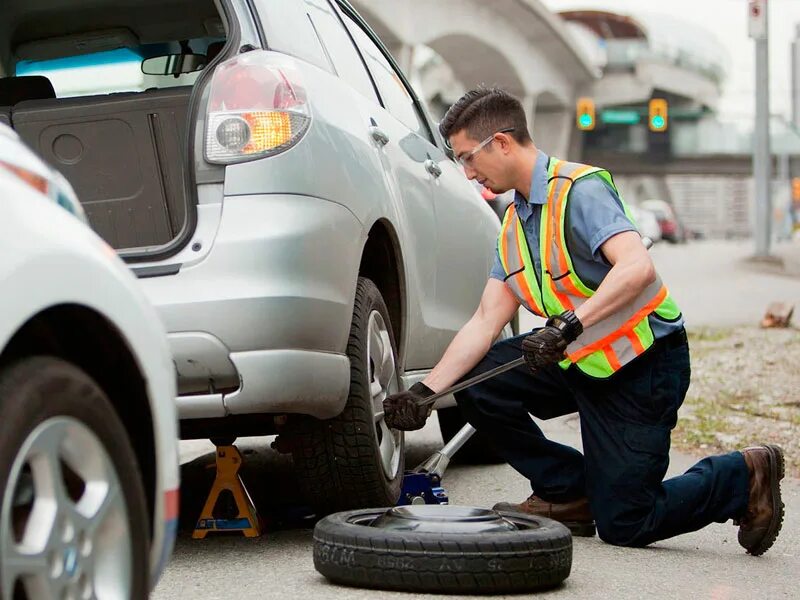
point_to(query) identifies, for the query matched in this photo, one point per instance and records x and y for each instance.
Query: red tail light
(257, 108)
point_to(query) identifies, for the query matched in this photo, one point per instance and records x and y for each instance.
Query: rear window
(101, 72)
(109, 71)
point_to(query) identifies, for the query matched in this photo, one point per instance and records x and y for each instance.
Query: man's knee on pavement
(622, 527)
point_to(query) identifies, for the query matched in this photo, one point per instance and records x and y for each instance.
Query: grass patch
(702, 425)
(708, 334)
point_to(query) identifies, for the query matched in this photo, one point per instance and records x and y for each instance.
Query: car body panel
(51, 259)
(270, 274)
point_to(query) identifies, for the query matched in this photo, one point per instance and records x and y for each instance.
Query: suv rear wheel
(73, 518)
(354, 460)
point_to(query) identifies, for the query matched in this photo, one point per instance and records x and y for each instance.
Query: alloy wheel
(383, 382)
(64, 520)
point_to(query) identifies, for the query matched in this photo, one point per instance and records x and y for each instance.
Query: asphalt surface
(715, 287)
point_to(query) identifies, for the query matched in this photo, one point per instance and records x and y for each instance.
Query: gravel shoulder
(745, 389)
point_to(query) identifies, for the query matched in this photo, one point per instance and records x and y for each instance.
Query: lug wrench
(437, 463)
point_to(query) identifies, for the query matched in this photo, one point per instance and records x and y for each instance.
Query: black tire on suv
(64, 424)
(339, 462)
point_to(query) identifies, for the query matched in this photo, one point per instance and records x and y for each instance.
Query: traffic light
(796, 190)
(659, 115)
(585, 114)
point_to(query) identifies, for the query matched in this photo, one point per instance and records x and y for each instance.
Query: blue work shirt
(594, 214)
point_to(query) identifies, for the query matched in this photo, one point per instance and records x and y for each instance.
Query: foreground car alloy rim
(64, 519)
(382, 382)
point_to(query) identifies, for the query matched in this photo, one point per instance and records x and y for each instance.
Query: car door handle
(432, 167)
(379, 135)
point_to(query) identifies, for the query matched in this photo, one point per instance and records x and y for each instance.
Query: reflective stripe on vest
(607, 346)
(519, 268)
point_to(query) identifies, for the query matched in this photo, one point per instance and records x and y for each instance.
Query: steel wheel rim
(382, 375)
(71, 538)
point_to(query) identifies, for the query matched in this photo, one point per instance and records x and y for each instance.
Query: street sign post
(757, 19)
(762, 165)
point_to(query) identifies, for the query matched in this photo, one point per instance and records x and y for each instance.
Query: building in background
(699, 164)
(450, 46)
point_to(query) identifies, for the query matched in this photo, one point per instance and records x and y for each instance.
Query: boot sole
(777, 471)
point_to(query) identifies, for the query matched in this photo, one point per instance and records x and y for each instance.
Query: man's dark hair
(486, 111)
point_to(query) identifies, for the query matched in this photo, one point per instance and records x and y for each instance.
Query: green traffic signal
(586, 120)
(658, 122)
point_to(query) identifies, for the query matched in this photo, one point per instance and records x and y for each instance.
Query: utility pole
(796, 78)
(762, 165)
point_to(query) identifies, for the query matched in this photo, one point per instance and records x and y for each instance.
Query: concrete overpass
(518, 45)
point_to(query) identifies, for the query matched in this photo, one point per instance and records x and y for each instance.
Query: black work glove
(547, 345)
(402, 410)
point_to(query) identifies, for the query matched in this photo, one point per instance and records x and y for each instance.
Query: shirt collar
(538, 192)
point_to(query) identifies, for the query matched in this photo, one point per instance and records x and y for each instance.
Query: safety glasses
(465, 160)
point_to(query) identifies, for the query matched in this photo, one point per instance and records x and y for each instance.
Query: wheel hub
(383, 382)
(63, 521)
(432, 518)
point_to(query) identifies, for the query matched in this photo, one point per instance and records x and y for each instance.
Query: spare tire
(444, 549)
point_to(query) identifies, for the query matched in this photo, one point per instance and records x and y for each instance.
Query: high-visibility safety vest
(607, 346)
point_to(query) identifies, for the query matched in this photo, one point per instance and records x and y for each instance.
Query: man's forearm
(623, 283)
(465, 351)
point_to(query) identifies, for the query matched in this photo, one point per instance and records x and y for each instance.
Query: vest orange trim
(523, 281)
(612, 359)
(520, 279)
(556, 218)
(635, 342)
(563, 299)
(626, 328)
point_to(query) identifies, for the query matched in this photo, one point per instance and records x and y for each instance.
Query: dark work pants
(625, 427)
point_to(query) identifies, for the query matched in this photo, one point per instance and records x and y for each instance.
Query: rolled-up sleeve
(595, 214)
(497, 272)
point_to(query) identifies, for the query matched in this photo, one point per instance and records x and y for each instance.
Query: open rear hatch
(107, 101)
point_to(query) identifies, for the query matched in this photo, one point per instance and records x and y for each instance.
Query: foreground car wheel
(73, 522)
(355, 460)
(445, 549)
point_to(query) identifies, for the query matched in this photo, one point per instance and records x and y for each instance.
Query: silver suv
(290, 207)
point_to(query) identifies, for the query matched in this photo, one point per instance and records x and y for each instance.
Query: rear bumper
(277, 382)
(259, 322)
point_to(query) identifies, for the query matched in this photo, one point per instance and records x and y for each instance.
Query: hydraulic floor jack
(423, 485)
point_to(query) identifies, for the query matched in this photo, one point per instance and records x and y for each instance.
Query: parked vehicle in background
(498, 202)
(671, 228)
(646, 222)
(291, 209)
(88, 448)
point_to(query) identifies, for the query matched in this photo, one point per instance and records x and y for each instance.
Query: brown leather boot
(577, 515)
(760, 525)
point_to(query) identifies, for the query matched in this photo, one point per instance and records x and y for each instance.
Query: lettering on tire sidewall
(343, 557)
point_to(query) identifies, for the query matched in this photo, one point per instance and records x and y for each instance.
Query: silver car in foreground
(292, 212)
(88, 448)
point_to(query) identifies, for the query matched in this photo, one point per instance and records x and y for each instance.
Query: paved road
(714, 287)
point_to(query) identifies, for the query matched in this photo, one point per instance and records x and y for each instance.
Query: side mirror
(174, 64)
